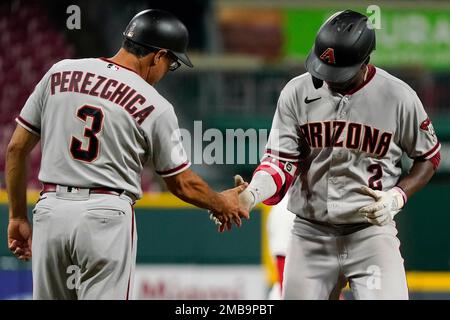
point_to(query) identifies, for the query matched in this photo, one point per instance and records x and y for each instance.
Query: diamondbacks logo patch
(328, 56)
(427, 126)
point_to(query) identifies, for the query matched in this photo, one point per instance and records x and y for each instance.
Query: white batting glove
(387, 205)
(215, 220)
(246, 198)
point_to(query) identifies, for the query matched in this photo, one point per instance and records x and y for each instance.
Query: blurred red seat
(22, 65)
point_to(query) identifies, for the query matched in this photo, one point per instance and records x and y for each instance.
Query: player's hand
(387, 205)
(246, 198)
(19, 238)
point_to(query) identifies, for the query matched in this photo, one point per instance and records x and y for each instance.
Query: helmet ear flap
(317, 82)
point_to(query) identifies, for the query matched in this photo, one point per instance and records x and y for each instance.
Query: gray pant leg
(105, 245)
(312, 268)
(83, 249)
(374, 265)
(50, 260)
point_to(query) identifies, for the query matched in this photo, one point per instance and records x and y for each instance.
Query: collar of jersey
(119, 65)
(370, 75)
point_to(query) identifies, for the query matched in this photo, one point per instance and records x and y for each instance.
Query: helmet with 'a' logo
(344, 42)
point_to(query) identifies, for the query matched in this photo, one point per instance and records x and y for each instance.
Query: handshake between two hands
(239, 201)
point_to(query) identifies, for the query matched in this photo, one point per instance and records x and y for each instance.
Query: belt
(51, 187)
(342, 229)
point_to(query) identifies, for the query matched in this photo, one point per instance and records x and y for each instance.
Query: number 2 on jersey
(90, 132)
(375, 180)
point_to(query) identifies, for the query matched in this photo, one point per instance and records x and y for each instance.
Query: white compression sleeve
(262, 187)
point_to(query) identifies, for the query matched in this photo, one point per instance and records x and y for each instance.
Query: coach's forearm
(189, 187)
(16, 182)
(19, 148)
(420, 174)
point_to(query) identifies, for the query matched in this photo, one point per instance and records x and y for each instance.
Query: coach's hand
(232, 211)
(246, 203)
(387, 205)
(19, 238)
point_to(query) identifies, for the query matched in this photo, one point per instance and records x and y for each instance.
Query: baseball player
(344, 126)
(99, 121)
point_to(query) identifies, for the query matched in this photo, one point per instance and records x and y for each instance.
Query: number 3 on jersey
(90, 132)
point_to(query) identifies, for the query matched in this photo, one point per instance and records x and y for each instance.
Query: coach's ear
(159, 55)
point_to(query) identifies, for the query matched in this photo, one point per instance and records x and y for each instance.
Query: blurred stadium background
(244, 52)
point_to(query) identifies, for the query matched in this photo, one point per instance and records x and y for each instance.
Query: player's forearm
(419, 175)
(189, 187)
(262, 187)
(16, 182)
(270, 182)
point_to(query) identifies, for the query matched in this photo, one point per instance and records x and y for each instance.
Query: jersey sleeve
(167, 152)
(417, 136)
(284, 142)
(30, 115)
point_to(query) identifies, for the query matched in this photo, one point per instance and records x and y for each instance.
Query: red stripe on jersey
(287, 170)
(436, 160)
(429, 154)
(27, 124)
(371, 73)
(132, 243)
(181, 166)
(275, 175)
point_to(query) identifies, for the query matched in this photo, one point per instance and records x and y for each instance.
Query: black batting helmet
(342, 45)
(161, 30)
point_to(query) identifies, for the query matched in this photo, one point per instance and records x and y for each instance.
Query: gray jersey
(354, 140)
(99, 124)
